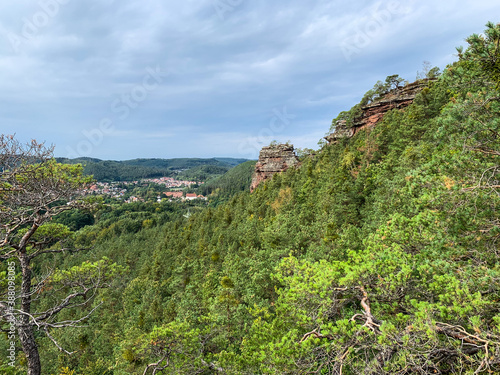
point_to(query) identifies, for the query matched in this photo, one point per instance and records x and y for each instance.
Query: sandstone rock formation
(374, 112)
(273, 159)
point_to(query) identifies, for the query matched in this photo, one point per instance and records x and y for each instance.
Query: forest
(379, 254)
(135, 169)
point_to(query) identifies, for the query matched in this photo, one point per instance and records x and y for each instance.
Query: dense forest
(221, 188)
(135, 169)
(379, 254)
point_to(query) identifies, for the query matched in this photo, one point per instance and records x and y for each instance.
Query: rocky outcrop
(273, 159)
(374, 112)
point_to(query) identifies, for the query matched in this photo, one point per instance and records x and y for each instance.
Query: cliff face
(273, 159)
(278, 158)
(374, 112)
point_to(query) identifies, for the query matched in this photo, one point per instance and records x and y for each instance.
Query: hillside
(222, 188)
(378, 254)
(128, 170)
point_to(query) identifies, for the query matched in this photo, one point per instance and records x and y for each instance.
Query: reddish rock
(374, 112)
(273, 159)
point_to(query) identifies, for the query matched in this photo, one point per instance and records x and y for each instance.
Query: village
(135, 191)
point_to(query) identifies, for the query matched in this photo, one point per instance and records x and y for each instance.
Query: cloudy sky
(122, 79)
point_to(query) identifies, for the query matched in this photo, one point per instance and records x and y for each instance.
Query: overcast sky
(122, 79)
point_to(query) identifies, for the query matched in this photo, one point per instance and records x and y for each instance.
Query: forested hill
(127, 170)
(378, 255)
(222, 188)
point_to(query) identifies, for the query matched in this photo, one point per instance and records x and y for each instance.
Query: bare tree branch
(157, 366)
(56, 343)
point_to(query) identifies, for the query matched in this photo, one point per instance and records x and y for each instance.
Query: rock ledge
(273, 159)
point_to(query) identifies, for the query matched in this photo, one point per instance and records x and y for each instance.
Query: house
(174, 194)
(134, 199)
(191, 196)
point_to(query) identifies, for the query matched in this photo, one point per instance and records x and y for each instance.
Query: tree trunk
(30, 348)
(25, 326)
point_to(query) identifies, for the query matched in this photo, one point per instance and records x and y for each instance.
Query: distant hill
(126, 170)
(235, 180)
(183, 163)
(204, 172)
(231, 161)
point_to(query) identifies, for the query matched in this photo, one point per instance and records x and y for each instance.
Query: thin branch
(156, 364)
(482, 187)
(56, 344)
(462, 334)
(66, 303)
(316, 334)
(212, 366)
(72, 323)
(35, 322)
(368, 314)
(40, 252)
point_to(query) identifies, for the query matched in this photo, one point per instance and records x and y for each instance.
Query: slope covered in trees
(222, 188)
(129, 170)
(379, 255)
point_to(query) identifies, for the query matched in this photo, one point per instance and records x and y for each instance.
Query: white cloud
(226, 74)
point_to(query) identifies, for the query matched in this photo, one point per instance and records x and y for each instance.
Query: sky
(124, 79)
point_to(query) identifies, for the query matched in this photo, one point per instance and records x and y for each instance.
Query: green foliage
(203, 172)
(131, 170)
(48, 233)
(428, 71)
(221, 189)
(378, 91)
(485, 50)
(379, 255)
(66, 371)
(101, 270)
(75, 219)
